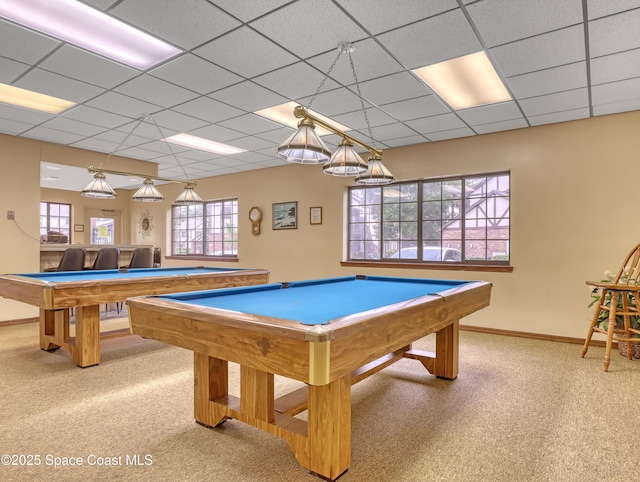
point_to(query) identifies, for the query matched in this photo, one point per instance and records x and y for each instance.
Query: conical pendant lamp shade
(148, 193)
(304, 146)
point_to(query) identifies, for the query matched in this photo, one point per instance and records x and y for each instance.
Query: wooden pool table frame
(327, 358)
(56, 299)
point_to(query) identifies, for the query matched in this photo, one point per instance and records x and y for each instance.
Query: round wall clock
(255, 216)
(145, 224)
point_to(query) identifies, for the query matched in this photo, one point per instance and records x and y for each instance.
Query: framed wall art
(285, 215)
(315, 215)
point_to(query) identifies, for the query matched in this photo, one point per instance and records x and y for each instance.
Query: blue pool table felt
(92, 275)
(316, 302)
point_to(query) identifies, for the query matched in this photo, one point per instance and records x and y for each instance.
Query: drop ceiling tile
(555, 79)
(26, 116)
(252, 143)
(250, 124)
(101, 4)
(208, 109)
(226, 170)
(356, 120)
(217, 133)
(376, 18)
(383, 133)
(56, 85)
(541, 52)
(96, 117)
(248, 96)
(24, 45)
(329, 27)
(613, 34)
(52, 135)
(138, 153)
(252, 156)
(187, 23)
(432, 40)
(95, 144)
(500, 126)
(190, 155)
(82, 65)
(615, 107)
(610, 68)
(392, 88)
(338, 101)
(598, 8)
(177, 122)
(73, 127)
(435, 123)
(561, 101)
(451, 134)
(623, 90)
(10, 70)
(196, 74)
(275, 162)
(276, 136)
(418, 107)
(564, 116)
(486, 114)
(123, 105)
(370, 60)
(155, 91)
(246, 11)
(294, 81)
(500, 22)
(406, 141)
(12, 127)
(257, 56)
(121, 139)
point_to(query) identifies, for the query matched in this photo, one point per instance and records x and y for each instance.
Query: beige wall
(573, 188)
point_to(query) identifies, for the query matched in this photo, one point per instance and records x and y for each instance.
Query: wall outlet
(11, 215)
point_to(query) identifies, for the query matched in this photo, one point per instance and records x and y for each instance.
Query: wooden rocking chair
(620, 298)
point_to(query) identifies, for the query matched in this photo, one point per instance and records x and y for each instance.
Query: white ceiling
(561, 60)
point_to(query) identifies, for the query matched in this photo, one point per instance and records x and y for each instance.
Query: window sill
(497, 268)
(225, 259)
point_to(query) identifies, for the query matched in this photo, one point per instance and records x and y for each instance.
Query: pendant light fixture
(305, 146)
(99, 187)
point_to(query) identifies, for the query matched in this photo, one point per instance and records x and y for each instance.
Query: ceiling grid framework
(560, 61)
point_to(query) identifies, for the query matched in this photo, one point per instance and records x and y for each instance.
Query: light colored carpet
(521, 409)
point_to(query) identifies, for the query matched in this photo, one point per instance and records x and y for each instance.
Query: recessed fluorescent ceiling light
(32, 100)
(89, 28)
(201, 144)
(468, 81)
(283, 114)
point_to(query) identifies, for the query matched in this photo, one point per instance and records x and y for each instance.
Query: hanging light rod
(95, 170)
(100, 188)
(301, 113)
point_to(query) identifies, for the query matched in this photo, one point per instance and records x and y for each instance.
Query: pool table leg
(329, 424)
(210, 382)
(446, 363)
(85, 350)
(50, 323)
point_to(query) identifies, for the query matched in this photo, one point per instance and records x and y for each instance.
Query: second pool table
(327, 333)
(55, 293)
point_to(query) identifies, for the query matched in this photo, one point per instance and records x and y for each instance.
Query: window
(55, 222)
(208, 229)
(457, 219)
(102, 230)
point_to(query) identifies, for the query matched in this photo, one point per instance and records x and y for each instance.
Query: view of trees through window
(208, 229)
(458, 219)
